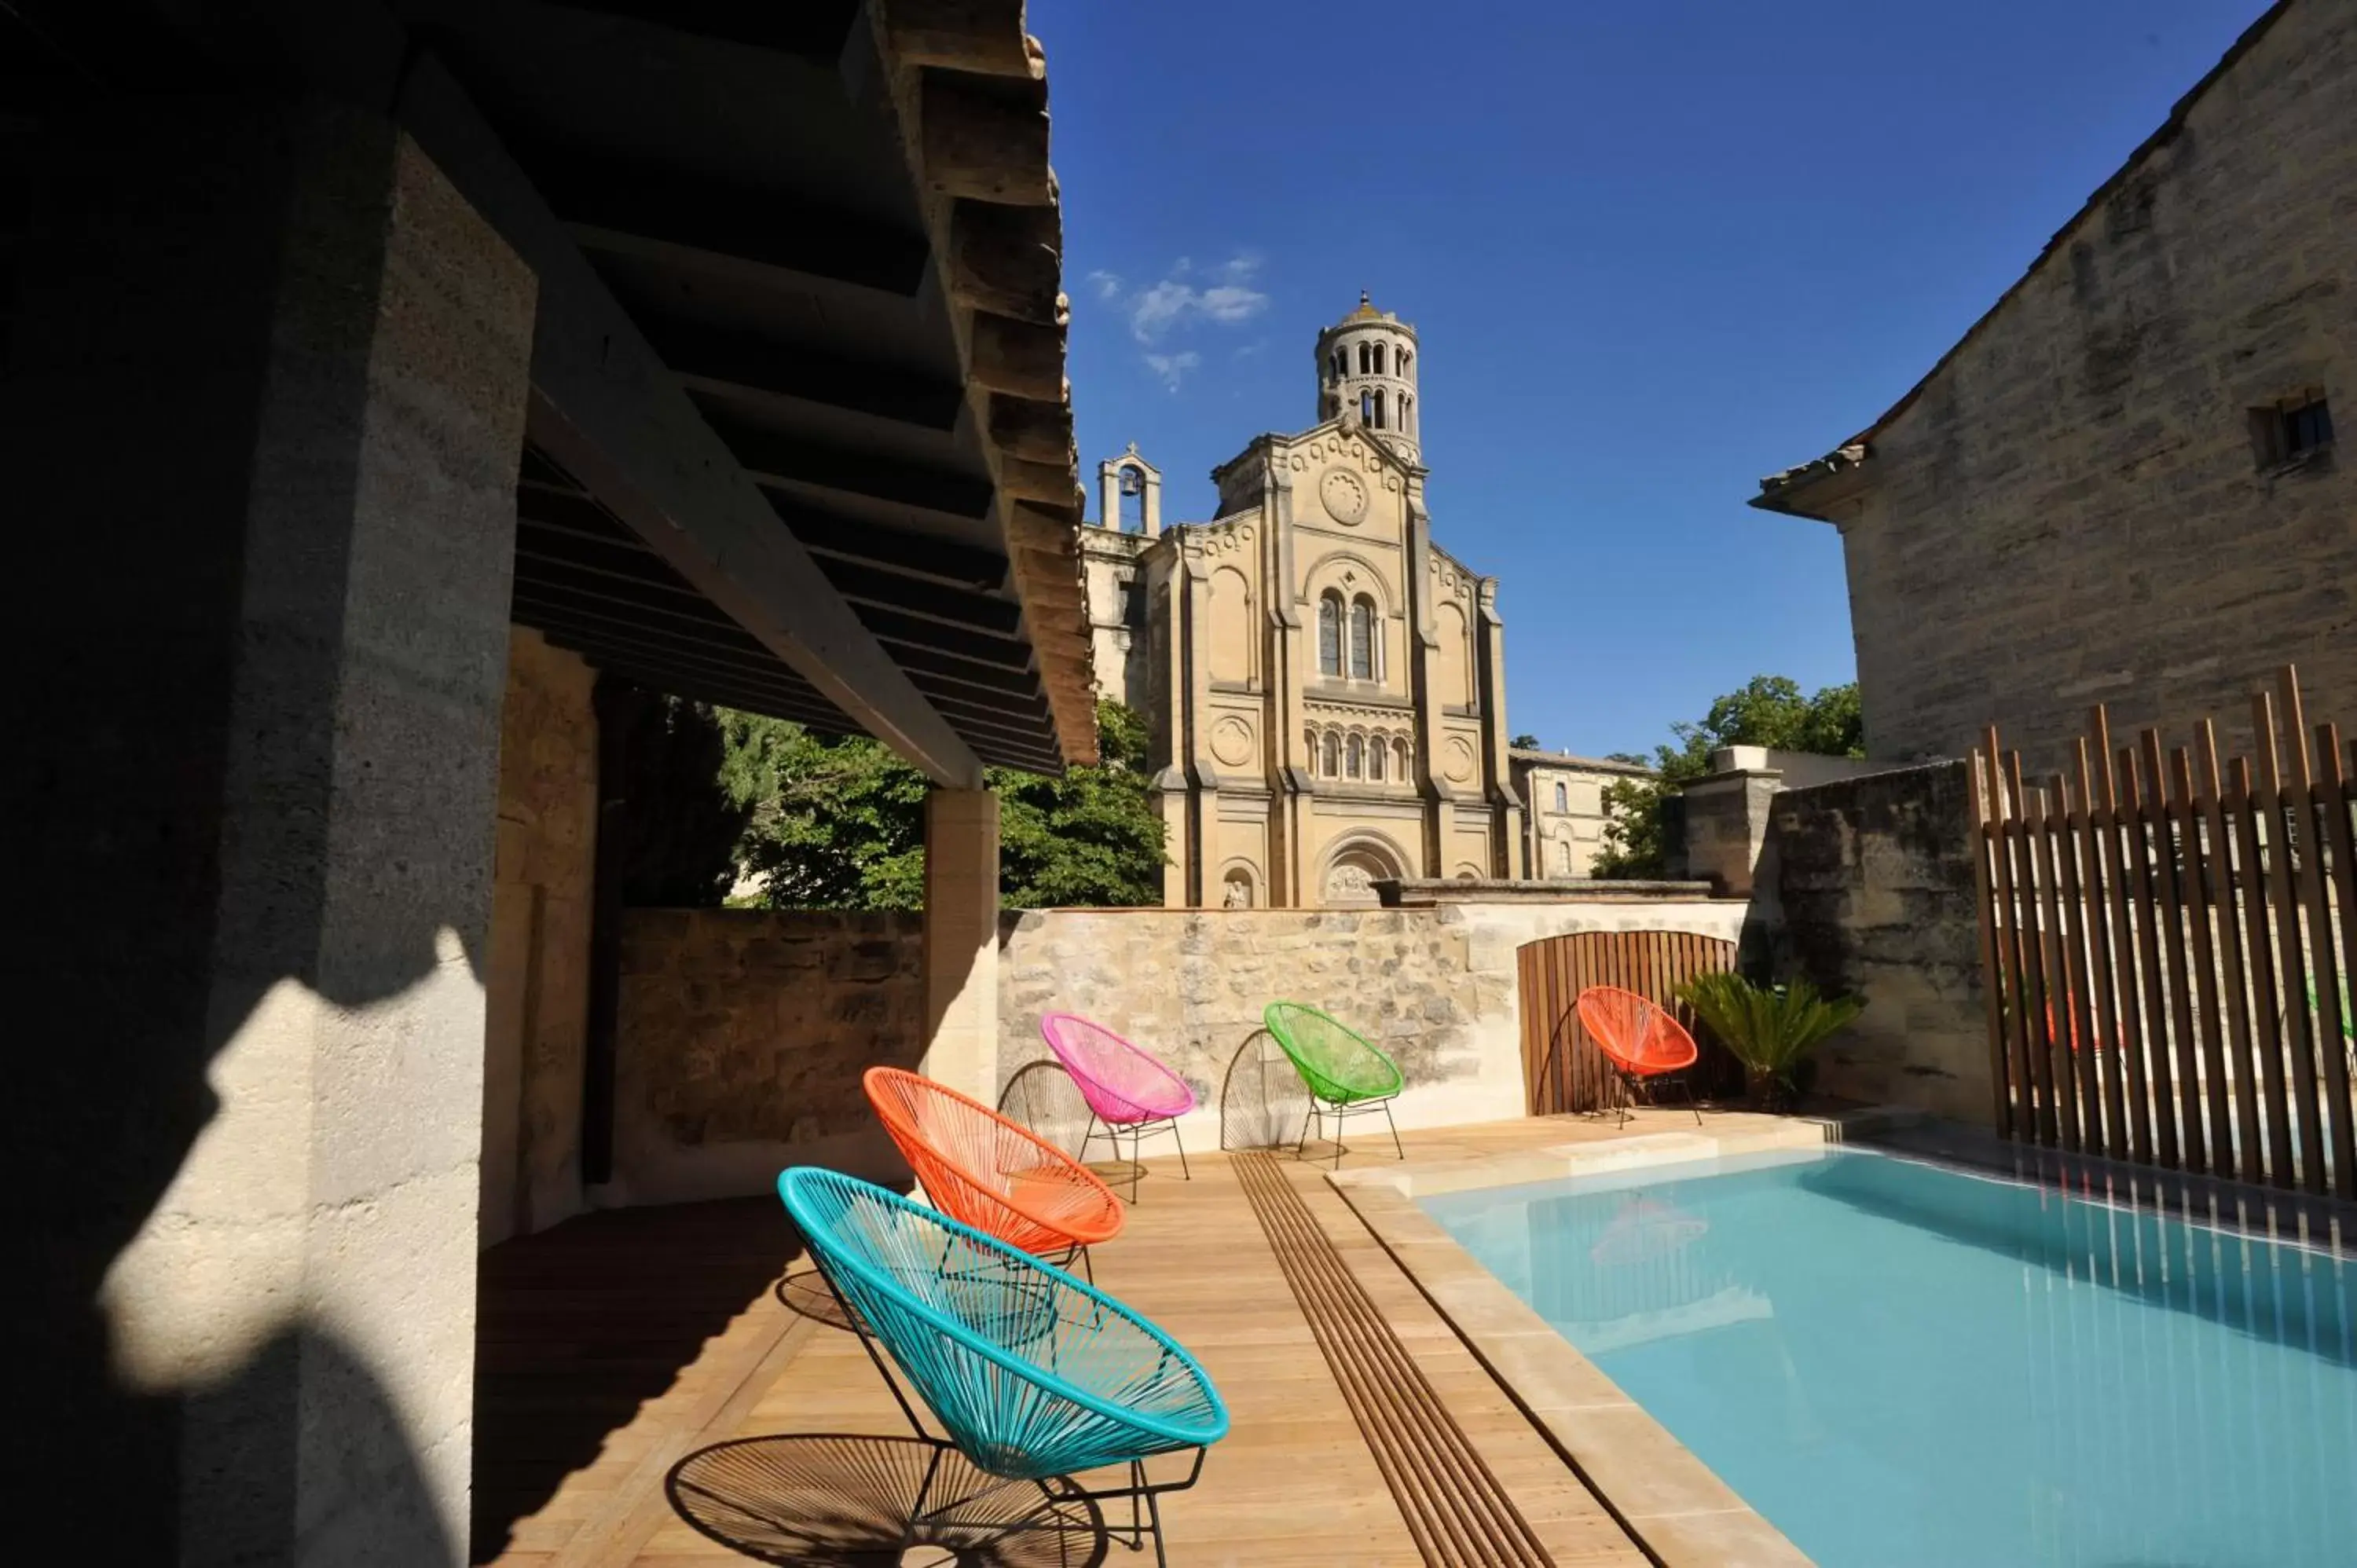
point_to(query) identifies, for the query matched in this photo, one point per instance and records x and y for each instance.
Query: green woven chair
(1345, 1076)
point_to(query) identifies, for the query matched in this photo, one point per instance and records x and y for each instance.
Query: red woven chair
(1641, 1039)
(993, 1173)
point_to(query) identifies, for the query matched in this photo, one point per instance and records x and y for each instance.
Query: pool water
(1899, 1363)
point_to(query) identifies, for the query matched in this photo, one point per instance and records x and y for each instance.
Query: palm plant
(1769, 1029)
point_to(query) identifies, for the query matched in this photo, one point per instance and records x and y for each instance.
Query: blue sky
(1652, 251)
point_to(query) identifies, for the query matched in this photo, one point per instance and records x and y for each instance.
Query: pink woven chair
(1126, 1089)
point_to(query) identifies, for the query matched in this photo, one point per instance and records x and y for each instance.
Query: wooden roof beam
(607, 410)
(984, 36)
(725, 360)
(986, 138)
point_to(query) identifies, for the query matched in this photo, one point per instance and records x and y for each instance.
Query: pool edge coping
(1675, 1508)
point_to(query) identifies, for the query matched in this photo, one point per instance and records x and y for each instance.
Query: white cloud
(1181, 300)
(1173, 367)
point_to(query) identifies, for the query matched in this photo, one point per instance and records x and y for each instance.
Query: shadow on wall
(221, 790)
(1262, 1101)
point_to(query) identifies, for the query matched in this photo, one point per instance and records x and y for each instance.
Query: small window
(1399, 755)
(1406, 357)
(1329, 635)
(1366, 357)
(1407, 403)
(1366, 408)
(1379, 359)
(1375, 751)
(1562, 857)
(1354, 758)
(1562, 798)
(2293, 430)
(1330, 755)
(1378, 421)
(1132, 604)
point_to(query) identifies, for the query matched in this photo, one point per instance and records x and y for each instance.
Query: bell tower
(1367, 370)
(1125, 479)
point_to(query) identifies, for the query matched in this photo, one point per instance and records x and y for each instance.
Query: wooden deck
(618, 1344)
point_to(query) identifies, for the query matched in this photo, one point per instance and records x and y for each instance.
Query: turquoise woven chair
(1345, 1076)
(1035, 1375)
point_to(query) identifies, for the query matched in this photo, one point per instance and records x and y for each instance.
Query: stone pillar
(962, 940)
(1727, 838)
(265, 398)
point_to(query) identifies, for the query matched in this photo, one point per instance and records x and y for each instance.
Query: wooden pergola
(799, 439)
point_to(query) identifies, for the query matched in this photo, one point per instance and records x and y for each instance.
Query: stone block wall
(537, 979)
(1875, 878)
(1190, 985)
(744, 1032)
(740, 1039)
(2072, 509)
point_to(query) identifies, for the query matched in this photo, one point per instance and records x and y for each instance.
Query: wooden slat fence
(2166, 943)
(1562, 1068)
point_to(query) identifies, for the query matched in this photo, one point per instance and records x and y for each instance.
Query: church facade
(1325, 685)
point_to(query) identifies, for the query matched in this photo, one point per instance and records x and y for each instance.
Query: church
(1325, 684)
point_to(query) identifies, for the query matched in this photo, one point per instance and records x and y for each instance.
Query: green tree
(1525, 743)
(1092, 836)
(1769, 710)
(838, 821)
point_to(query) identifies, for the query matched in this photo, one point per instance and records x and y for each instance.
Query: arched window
(1329, 635)
(1376, 750)
(1366, 357)
(1366, 407)
(1407, 403)
(1406, 356)
(1362, 639)
(1399, 755)
(1354, 758)
(1330, 755)
(1335, 365)
(1379, 359)
(1562, 857)
(1562, 798)
(1378, 420)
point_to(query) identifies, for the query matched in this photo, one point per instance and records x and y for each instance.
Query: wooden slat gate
(1562, 1068)
(2166, 944)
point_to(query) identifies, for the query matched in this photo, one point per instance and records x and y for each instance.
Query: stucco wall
(1875, 882)
(740, 1039)
(537, 981)
(2071, 511)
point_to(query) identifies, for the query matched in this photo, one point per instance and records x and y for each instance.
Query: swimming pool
(1901, 1363)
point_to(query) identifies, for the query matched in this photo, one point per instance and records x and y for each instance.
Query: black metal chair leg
(1153, 1513)
(1184, 1174)
(917, 1510)
(1396, 1149)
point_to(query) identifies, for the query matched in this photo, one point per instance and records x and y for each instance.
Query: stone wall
(537, 979)
(1875, 878)
(741, 1037)
(2071, 509)
(743, 1033)
(1436, 988)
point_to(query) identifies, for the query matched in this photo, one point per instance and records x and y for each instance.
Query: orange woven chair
(1641, 1039)
(1002, 1178)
